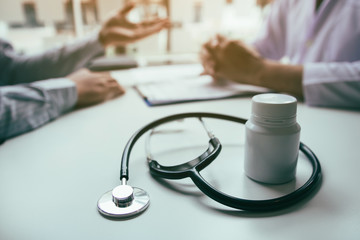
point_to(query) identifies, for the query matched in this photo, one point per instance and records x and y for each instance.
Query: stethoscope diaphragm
(123, 201)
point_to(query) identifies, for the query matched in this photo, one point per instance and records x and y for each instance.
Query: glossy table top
(52, 178)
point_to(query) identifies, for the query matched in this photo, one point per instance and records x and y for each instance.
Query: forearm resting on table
(282, 78)
(25, 107)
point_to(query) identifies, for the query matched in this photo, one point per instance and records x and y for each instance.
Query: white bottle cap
(274, 106)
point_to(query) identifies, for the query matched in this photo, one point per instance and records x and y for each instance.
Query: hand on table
(94, 87)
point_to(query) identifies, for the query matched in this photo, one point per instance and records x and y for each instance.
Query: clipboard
(199, 88)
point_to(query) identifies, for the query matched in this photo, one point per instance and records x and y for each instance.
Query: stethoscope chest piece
(123, 201)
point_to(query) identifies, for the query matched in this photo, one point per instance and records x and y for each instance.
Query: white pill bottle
(272, 139)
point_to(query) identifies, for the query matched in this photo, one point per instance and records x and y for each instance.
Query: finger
(215, 49)
(114, 85)
(115, 91)
(213, 76)
(119, 35)
(205, 53)
(164, 21)
(209, 67)
(127, 8)
(208, 59)
(151, 29)
(133, 35)
(211, 46)
(214, 42)
(220, 38)
(121, 89)
(210, 50)
(104, 74)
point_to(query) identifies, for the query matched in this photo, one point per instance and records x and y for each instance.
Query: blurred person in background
(263, 3)
(321, 39)
(37, 89)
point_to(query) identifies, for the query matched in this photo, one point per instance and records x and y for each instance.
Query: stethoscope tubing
(268, 204)
(231, 201)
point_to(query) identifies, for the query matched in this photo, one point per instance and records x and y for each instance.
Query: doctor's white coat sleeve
(332, 84)
(325, 83)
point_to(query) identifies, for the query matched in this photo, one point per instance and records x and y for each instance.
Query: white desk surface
(52, 178)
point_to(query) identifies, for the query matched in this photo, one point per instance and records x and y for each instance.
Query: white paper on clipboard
(171, 84)
(199, 88)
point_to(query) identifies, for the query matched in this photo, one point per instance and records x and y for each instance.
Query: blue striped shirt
(34, 90)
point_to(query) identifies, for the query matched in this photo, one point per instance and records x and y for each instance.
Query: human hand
(231, 60)
(93, 88)
(119, 31)
(263, 3)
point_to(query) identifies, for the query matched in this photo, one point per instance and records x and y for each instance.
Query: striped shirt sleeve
(25, 107)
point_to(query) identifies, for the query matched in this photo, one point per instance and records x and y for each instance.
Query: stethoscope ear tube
(124, 168)
(186, 169)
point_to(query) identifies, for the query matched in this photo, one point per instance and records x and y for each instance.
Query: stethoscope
(125, 201)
